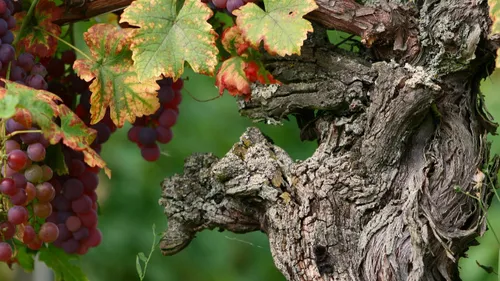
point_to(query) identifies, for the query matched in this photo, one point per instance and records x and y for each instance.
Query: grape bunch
(148, 130)
(7, 23)
(229, 5)
(32, 198)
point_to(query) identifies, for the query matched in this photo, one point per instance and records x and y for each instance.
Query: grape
(147, 136)
(163, 135)
(13, 126)
(47, 173)
(35, 81)
(11, 145)
(94, 239)
(82, 250)
(45, 192)
(48, 232)
(64, 233)
(30, 138)
(8, 186)
(36, 152)
(11, 23)
(90, 181)
(70, 246)
(89, 219)
(30, 192)
(26, 61)
(165, 94)
(55, 68)
(63, 216)
(17, 73)
(103, 132)
(39, 69)
(17, 215)
(73, 223)
(168, 118)
(151, 153)
(221, 4)
(34, 173)
(72, 189)
(5, 252)
(234, 4)
(20, 180)
(7, 230)
(28, 234)
(82, 204)
(7, 53)
(19, 198)
(81, 233)
(17, 159)
(133, 133)
(177, 85)
(8, 38)
(42, 209)
(60, 203)
(76, 168)
(68, 57)
(3, 6)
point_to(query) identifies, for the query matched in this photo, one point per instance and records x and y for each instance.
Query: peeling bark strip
(378, 199)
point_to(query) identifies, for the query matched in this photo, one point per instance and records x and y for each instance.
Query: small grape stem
(66, 42)
(22, 132)
(26, 20)
(199, 100)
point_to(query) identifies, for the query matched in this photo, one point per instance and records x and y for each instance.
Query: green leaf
(495, 27)
(281, 26)
(142, 257)
(8, 106)
(138, 267)
(167, 38)
(61, 263)
(25, 258)
(114, 79)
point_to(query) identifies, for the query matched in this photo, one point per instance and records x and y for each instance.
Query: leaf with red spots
(495, 27)
(114, 78)
(169, 37)
(56, 121)
(243, 68)
(35, 38)
(280, 26)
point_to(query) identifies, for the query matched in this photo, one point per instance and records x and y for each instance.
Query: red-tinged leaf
(168, 37)
(23, 116)
(281, 26)
(234, 42)
(115, 82)
(44, 108)
(34, 40)
(231, 76)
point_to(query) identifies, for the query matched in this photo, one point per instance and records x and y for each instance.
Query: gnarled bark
(391, 192)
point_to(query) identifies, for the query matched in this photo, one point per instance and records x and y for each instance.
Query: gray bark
(392, 191)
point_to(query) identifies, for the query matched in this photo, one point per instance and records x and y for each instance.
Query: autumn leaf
(234, 42)
(167, 39)
(43, 107)
(114, 80)
(280, 26)
(495, 27)
(231, 76)
(35, 38)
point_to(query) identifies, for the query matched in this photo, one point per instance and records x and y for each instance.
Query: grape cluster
(229, 5)
(148, 130)
(7, 23)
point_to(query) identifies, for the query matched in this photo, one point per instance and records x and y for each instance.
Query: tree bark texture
(399, 183)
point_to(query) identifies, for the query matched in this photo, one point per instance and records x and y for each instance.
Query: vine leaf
(44, 107)
(167, 38)
(34, 38)
(114, 79)
(495, 27)
(61, 263)
(242, 68)
(281, 27)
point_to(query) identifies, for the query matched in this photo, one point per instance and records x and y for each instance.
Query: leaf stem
(23, 132)
(26, 20)
(66, 42)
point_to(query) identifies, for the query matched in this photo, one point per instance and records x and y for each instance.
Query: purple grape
(36, 81)
(147, 136)
(8, 37)
(7, 53)
(233, 5)
(72, 189)
(39, 69)
(17, 73)
(26, 61)
(3, 27)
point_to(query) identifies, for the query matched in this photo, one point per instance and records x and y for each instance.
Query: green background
(129, 201)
